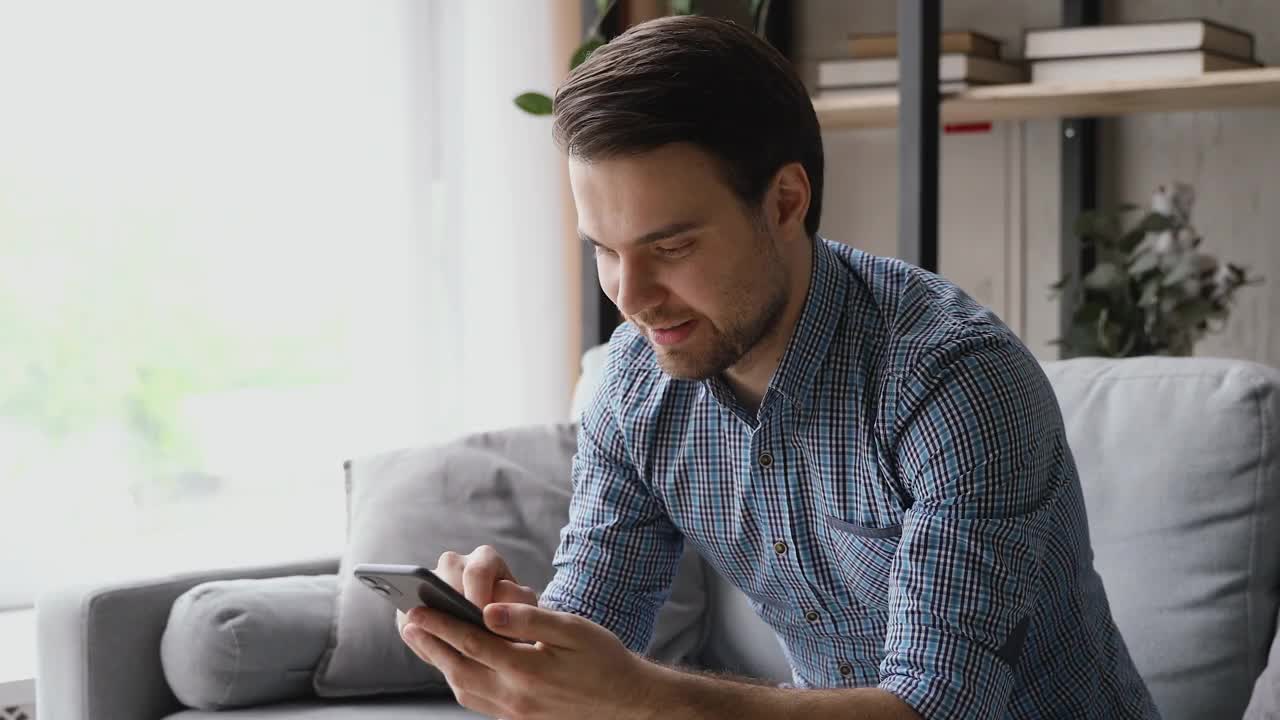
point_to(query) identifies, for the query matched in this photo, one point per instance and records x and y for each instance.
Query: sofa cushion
(738, 640)
(1265, 703)
(508, 489)
(364, 708)
(235, 643)
(589, 380)
(1179, 460)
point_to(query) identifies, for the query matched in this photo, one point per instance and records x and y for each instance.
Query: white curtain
(244, 240)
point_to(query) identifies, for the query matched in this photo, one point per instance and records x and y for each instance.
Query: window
(234, 253)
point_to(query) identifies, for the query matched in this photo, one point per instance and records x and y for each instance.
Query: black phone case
(411, 586)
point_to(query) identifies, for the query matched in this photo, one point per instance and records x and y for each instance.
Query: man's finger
(472, 683)
(449, 568)
(422, 645)
(530, 622)
(509, 592)
(484, 568)
(471, 641)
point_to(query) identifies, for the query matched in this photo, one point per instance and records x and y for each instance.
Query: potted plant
(1153, 290)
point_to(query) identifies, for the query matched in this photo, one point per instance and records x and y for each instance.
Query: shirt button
(811, 616)
(846, 669)
(766, 460)
(780, 548)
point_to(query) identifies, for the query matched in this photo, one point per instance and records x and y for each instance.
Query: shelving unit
(919, 112)
(1225, 89)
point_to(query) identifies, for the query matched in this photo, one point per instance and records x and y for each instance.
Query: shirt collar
(809, 341)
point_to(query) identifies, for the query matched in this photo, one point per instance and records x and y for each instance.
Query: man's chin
(683, 365)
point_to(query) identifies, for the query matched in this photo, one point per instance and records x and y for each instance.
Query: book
(1137, 38)
(952, 67)
(1151, 66)
(945, 88)
(964, 42)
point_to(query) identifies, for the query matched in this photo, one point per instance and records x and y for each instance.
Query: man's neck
(749, 377)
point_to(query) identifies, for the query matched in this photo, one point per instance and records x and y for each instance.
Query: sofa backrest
(1179, 459)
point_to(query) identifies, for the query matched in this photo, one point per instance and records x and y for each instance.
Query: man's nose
(638, 289)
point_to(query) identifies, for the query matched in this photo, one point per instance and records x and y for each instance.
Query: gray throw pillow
(236, 643)
(509, 489)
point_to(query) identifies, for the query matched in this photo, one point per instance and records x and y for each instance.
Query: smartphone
(411, 586)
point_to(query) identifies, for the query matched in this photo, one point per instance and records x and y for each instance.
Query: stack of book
(1139, 51)
(966, 59)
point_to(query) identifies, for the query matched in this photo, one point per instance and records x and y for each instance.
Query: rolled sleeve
(619, 551)
(975, 446)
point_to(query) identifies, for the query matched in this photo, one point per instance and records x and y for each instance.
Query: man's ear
(787, 201)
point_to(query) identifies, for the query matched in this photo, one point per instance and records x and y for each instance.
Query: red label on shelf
(957, 128)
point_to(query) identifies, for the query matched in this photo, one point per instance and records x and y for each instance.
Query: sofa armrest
(98, 646)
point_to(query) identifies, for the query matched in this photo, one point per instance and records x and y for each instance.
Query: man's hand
(575, 668)
(482, 576)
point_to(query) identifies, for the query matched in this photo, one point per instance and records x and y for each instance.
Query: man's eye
(602, 250)
(675, 249)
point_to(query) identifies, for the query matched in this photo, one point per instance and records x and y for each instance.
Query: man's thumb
(530, 622)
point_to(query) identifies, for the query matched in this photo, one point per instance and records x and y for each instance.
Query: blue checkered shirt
(902, 509)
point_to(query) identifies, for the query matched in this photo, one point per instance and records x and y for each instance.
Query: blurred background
(241, 242)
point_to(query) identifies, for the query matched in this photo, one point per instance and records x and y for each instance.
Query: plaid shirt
(902, 509)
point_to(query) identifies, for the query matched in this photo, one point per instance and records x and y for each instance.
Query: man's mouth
(673, 334)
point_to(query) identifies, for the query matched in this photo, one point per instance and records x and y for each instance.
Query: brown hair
(698, 80)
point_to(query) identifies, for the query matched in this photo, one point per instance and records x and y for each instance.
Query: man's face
(681, 257)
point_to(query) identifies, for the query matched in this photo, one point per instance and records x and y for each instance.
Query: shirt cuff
(976, 684)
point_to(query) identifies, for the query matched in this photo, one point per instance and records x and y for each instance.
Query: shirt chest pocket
(864, 559)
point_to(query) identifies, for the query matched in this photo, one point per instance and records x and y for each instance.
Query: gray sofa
(1180, 463)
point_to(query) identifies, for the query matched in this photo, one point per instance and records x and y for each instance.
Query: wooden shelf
(1223, 89)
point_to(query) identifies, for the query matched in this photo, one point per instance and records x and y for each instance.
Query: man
(873, 458)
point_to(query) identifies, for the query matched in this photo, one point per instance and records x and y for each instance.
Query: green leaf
(1131, 239)
(1102, 333)
(1106, 276)
(1186, 265)
(534, 103)
(584, 51)
(1144, 263)
(1090, 224)
(681, 7)
(1150, 294)
(1155, 222)
(1089, 312)
(1195, 311)
(1114, 340)
(1107, 253)
(1080, 340)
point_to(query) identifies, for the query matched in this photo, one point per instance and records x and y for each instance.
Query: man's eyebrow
(662, 233)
